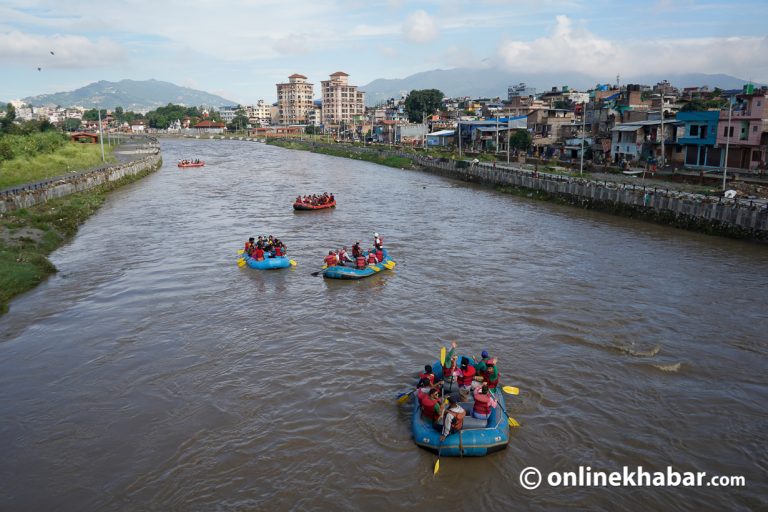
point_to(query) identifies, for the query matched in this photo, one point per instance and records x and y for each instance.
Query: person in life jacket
(279, 248)
(258, 254)
(360, 261)
(378, 242)
(491, 374)
(423, 388)
(431, 406)
(465, 376)
(372, 260)
(357, 250)
(453, 418)
(344, 257)
(379, 254)
(484, 401)
(248, 246)
(482, 362)
(428, 374)
(330, 260)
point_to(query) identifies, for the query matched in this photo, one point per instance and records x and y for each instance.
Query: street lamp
(727, 140)
(583, 132)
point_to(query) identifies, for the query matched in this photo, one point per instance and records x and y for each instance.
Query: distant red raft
(191, 164)
(303, 206)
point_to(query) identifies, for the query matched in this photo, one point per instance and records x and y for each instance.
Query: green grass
(37, 231)
(347, 152)
(68, 158)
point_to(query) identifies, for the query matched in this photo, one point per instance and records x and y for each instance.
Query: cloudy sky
(241, 48)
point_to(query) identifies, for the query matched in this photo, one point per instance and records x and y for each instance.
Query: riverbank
(29, 234)
(381, 158)
(714, 215)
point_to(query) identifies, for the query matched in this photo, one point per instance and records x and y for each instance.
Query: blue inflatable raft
(477, 437)
(338, 272)
(267, 263)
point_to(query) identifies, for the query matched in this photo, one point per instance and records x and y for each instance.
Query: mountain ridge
(493, 82)
(129, 94)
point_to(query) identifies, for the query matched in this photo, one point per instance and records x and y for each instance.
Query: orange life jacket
(466, 377)
(360, 261)
(330, 260)
(372, 259)
(458, 418)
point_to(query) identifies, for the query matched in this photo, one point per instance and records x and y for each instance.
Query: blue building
(698, 138)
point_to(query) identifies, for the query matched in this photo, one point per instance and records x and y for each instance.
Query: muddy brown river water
(151, 373)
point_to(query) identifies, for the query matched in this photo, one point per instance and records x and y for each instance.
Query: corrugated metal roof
(442, 133)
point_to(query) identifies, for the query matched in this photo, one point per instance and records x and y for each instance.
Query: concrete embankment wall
(714, 215)
(139, 157)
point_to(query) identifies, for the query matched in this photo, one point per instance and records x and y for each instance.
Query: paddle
(240, 251)
(389, 265)
(293, 263)
(321, 271)
(512, 422)
(510, 390)
(437, 462)
(404, 396)
(241, 262)
(442, 356)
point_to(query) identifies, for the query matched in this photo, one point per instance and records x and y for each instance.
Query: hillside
(492, 82)
(131, 95)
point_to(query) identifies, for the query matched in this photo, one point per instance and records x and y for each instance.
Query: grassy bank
(29, 235)
(341, 151)
(61, 160)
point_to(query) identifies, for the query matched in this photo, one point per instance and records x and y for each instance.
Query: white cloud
(69, 51)
(420, 27)
(292, 44)
(389, 52)
(570, 48)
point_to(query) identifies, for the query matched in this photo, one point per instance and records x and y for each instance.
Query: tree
(72, 125)
(93, 114)
(420, 102)
(7, 121)
(520, 139)
(239, 122)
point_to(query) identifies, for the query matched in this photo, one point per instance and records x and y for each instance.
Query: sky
(240, 49)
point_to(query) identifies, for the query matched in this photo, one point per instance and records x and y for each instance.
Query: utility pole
(663, 153)
(458, 133)
(497, 133)
(101, 136)
(727, 140)
(583, 133)
(509, 129)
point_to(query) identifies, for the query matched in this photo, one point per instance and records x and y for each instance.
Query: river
(152, 373)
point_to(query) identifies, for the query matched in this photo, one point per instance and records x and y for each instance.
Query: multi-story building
(746, 131)
(698, 136)
(294, 99)
(516, 91)
(342, 103)
(259, 114)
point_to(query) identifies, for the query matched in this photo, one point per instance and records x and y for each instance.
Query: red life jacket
(466, 377)
(372, 258)
(360, 261)
(428, 407)
(278, 251)
(482, 403)
(430, 376)
(330, 260)
(258, 254)
(248, 246)
(380, 255)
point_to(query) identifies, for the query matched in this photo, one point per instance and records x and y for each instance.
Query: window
(694, 130)
(703, 132)
(754, 129)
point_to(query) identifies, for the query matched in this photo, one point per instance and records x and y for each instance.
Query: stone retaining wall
(142, 157)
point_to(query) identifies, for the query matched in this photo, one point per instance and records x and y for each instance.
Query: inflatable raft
(351, 272)
(190, 164)
(302, 206)
(268, 263)
(477, 437)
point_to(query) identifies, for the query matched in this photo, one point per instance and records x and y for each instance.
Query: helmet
(485, 353)
(376, 235)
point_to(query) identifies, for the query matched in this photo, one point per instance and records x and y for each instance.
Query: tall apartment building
(294, 99)
(341, 101)
(259, 114)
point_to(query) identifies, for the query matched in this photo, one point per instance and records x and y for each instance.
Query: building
(209, 127)
(228, 113)
(544, 124)
(520, 90)
(294, 99)
(138, 126)
(441, 138)
(342, 103)
(698, 135)
(259, 114)
(746, 132)
(641, 140)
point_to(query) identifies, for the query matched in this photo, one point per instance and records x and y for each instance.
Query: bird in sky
(39, 68)
(52, 53)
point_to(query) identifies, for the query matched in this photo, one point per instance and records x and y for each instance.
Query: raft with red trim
(304, 206)
(192, 164)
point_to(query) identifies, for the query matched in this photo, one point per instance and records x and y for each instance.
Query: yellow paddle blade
(512, 422)
(293, 263)
(390, 264)
(240, 251)
(241, 262)
(442, 356)
(375, 268)
(403, 398)
(511, 390)
(325, 266)
(437, 467)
